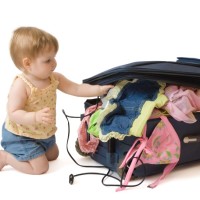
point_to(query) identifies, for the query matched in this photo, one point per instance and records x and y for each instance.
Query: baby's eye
(47, 61)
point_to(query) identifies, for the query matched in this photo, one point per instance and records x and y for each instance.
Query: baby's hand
(44, 116)
(105, 88)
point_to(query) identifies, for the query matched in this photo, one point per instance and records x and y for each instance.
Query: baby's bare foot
(2, 159)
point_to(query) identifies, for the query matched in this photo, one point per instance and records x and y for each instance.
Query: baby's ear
(26, 63)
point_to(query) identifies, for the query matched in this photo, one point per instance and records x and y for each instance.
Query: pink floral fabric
(85, 145)
(163, 147)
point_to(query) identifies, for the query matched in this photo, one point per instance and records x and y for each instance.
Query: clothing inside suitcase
(111, 153)
(184, 72)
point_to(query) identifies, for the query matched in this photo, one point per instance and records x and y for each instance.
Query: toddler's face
(42, 66)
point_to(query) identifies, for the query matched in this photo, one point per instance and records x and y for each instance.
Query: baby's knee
(41, 169)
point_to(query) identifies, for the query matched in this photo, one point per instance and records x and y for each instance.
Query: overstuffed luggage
(149, 123)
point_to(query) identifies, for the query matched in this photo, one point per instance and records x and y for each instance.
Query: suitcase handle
(188, 60)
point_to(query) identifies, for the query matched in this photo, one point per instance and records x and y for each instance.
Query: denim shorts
(25, 148)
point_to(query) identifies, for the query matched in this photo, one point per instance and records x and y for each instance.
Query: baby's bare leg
(52, 153)
(2, 159)
(38, 165)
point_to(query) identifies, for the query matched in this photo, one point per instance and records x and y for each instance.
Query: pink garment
(163, 147)
(85, 145)
(182, 103)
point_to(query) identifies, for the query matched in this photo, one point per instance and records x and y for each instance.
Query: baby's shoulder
(56, 75)
(18, 84)
(18, 80)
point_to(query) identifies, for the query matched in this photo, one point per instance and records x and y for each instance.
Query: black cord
(71, 176)
(121, 180)
(68, 123)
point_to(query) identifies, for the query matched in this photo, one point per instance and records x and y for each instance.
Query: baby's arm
(81, 90)
(17, 98)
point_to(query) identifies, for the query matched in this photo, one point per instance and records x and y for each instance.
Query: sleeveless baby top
(37, 100)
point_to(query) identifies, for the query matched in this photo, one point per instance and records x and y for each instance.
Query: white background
(95, 36)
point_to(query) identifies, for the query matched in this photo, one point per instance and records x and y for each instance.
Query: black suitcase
(186, 72)
(111, 153)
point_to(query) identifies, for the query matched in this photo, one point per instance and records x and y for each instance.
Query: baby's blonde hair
(30, 42)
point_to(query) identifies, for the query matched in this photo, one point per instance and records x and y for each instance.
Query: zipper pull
(191, 139)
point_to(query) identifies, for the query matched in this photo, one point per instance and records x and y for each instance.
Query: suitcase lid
(184, 71)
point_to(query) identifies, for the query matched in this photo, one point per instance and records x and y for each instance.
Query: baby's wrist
(101, 90)
(34, 118)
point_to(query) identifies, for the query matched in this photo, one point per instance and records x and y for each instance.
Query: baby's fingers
(46, 110)
(47, 120)
(45, 116)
